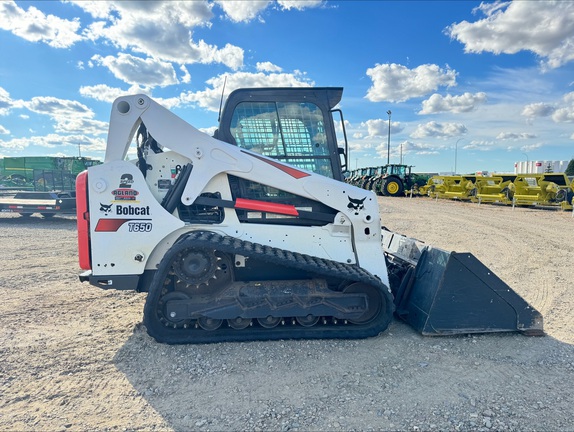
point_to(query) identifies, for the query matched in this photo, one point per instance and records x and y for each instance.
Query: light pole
(389, 140)
(455, 152)
(527, 163)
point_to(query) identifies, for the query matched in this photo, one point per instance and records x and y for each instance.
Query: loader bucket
(451, 293)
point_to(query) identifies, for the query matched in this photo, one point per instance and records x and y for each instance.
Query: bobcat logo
(106, 208)
(356, 204)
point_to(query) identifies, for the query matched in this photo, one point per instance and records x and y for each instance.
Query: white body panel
(354, 237)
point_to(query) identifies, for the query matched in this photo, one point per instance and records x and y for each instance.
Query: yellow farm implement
(547, 189)
(494, 189)
(541, 189)
(450, 187)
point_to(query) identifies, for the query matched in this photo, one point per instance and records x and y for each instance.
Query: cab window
(292, 132)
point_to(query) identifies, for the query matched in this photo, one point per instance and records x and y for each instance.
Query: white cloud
(141, 27)
(530, 147)
(560, 112)
(480, 145)
(81, 125)
(56, 141)
(545, 28)
(104, 93)
(455, 104)
(69, 116)
(211, 97)
(563, 115)
(3, 130)
(405, 147)
(417, 148)
(438, 130)
(186, 78)
(5, 102)
(515, 136)
(375, 127)
(14, 144)
(96, 8)
(34, 26)
(268, 67)
(134, 70)
(538, 110)
(209, 131)
(55, 107)
(299, 4)
(243, 11)
(380, 127)
(397, 83)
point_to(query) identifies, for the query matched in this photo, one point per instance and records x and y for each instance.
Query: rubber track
(326, 268)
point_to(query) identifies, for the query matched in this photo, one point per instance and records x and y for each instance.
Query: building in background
(540, 167)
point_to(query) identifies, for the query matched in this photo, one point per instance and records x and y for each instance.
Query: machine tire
(392, 186)
(376, 187)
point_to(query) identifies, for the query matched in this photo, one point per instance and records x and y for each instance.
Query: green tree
(570, 168)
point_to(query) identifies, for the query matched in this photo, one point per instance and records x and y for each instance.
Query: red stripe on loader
(83, 221)
(110, 225)
(284, 209)
(293, 172)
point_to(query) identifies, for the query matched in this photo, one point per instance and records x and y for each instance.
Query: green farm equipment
(395, 180)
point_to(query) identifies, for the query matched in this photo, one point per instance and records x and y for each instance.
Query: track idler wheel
(269, 322)
(209, 324)
(167, 319)
(239, 323)
(374, 301)
(308, 321)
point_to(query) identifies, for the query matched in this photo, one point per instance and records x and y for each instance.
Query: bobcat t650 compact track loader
(252, 235)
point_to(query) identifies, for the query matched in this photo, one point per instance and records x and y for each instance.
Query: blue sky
(493, 80)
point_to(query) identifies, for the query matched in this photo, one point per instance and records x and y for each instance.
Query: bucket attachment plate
(449, 293)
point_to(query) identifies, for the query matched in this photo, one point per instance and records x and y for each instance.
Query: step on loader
(253, 235)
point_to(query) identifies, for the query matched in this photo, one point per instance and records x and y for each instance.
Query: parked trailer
(48, 204)
(40, 184)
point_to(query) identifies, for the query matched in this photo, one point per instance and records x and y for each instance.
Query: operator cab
(294, 125)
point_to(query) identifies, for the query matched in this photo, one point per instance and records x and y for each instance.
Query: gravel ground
(74, 357)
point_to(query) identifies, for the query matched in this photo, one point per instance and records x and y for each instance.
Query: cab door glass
(289, 131)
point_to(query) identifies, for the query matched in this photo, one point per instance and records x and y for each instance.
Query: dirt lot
(74, 357)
